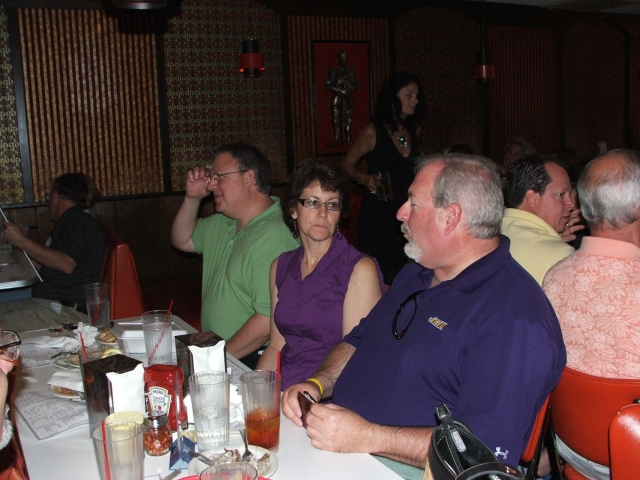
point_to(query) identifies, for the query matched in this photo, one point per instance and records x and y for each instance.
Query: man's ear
(452, 215)
(249, 178)
(532, 199)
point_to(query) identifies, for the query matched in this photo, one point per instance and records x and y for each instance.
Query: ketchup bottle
(163, 389)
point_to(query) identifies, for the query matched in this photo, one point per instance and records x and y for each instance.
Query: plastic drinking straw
(278, 364)
(84, 349)
(104, 446)
(166, 320)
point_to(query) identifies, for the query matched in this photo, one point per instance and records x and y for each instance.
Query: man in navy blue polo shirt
(464, 325)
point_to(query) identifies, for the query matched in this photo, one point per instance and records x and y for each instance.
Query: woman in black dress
(390, 144)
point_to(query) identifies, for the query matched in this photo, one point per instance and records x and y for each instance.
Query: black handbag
(456, 454)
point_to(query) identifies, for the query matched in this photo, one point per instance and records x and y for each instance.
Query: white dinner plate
(69, 362)
(107, 344)
(196, 466)
(57, 392)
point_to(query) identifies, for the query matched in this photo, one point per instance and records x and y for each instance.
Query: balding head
(609, 190)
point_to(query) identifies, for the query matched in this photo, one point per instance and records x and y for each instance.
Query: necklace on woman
(403, 137)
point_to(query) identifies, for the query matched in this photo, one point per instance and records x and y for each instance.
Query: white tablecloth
(70, 454)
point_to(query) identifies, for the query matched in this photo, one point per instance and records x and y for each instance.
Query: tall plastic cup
(158, 340)
(210, 400)
(96, 296)
(261, 404)
(119, 450)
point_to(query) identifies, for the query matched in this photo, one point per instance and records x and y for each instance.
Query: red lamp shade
(484, 70)
(251, 60)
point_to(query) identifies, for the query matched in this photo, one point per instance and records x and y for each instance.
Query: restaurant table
(16, 269)
(70, 455)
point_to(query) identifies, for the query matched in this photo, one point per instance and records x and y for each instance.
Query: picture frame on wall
(342, 93)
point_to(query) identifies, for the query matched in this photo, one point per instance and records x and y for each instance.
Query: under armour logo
(502, 454)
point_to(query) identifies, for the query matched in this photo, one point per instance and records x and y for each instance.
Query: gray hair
(612, 196)
(472, 182)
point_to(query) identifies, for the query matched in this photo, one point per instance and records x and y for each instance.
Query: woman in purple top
(321, 290)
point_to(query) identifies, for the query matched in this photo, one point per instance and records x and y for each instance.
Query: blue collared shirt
(486, 343)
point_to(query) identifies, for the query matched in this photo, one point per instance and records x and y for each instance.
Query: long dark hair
(389, 108)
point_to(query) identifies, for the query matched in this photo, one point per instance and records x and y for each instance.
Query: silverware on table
(247, 453)
(201, 457)
(60, 354)
(172, 475)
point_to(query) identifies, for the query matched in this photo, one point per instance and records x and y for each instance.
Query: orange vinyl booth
(531, 456)
(119, 271)
(582, 408)
(624, 443)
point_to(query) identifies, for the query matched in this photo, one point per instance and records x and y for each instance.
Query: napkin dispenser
(97, 388)
(183, 354)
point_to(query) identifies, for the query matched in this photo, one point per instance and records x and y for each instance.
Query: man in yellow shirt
(539, 206)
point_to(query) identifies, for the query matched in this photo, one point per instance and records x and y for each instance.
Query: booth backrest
(531, 455)
(119, 271)
(582, 407)
(624, 443)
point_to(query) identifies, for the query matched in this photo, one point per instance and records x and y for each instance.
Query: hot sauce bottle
(163, 391)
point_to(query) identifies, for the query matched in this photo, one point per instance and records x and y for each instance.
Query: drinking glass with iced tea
(261, 404)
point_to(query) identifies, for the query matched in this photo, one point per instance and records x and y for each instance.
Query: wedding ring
(568, 225)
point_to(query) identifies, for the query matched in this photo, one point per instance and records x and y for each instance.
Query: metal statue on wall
(342, 82)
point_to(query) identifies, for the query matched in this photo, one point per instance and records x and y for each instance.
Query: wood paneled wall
(438, 45)
(91, 101)
(523, 98)
(302, 32)
(594, 77)
(144, 223)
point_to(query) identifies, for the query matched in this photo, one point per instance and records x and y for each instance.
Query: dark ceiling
(395, 8)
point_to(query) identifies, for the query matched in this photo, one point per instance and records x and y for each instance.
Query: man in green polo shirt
(238, 244)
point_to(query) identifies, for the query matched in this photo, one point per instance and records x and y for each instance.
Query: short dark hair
(331, 179)
(75, 188)
(249, 158)
(389, 108)
(528, 173)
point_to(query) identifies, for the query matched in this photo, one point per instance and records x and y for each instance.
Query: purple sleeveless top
(309, 311)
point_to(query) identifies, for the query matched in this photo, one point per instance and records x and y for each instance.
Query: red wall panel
(524, 95)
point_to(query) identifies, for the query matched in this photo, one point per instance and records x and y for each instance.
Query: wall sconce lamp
(251, 60)
(484, 70)
(139, 4)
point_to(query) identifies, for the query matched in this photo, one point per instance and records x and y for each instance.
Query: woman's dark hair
(331, 179)
(389, 108)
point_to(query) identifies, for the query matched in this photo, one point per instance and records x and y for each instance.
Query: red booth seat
(119, 271)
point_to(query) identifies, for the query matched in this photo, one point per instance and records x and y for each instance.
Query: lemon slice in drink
(125, 416)
(111, 351)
